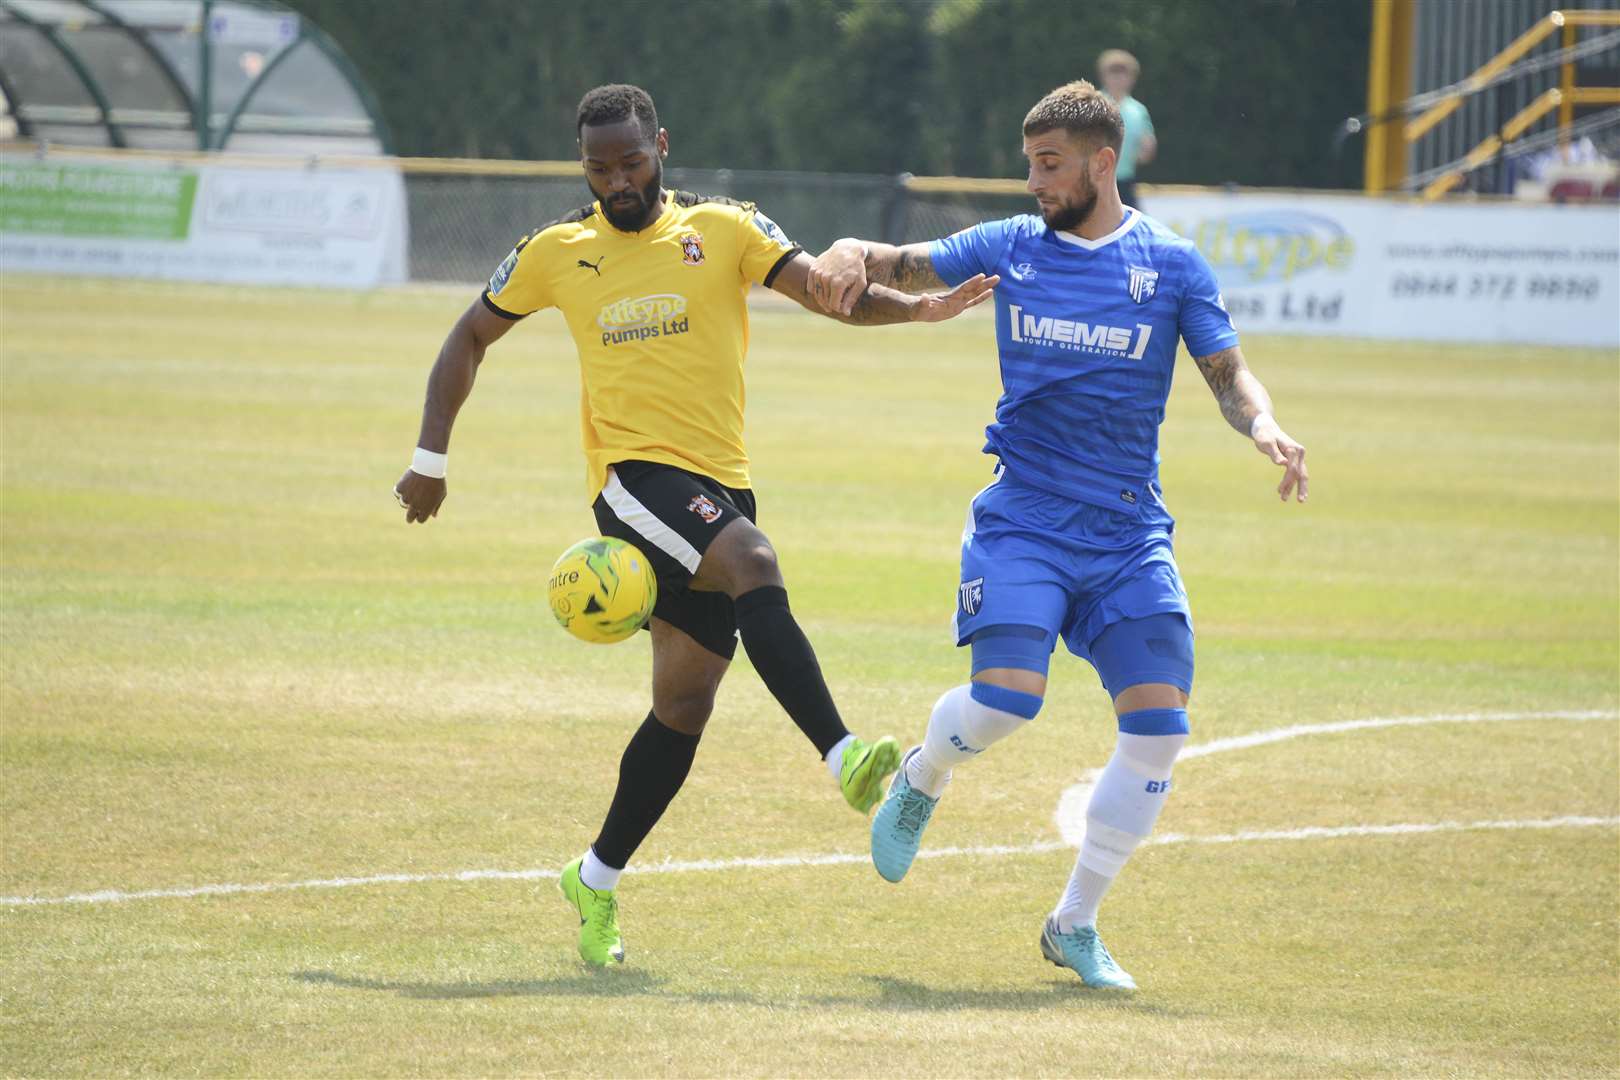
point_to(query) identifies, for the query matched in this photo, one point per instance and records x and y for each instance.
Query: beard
(1070, 215)
(635, 210)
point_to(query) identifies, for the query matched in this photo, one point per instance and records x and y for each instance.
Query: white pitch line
(113, 896)
(1261, 738)
(1215, 746)
(1318, 832)
(1070, 816)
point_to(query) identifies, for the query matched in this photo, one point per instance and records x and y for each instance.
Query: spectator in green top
(1119, 71)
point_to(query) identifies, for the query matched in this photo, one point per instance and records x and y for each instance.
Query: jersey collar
(1132, 216)
(652, 226)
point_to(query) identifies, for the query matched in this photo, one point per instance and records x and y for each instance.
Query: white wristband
(427, 463)
(1252, 423)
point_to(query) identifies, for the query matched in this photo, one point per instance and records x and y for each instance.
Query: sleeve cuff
(776, 268)
(939, 259)
(499, 311)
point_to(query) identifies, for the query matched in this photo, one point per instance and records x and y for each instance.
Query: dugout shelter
(171, 75)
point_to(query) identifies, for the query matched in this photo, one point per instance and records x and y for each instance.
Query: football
(602, 590)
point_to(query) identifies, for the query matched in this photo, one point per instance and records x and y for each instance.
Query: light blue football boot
(1083, 952)
(898, 825)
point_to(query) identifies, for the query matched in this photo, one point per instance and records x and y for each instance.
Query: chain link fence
(463, 224)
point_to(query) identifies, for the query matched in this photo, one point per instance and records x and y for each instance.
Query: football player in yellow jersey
(653, 285)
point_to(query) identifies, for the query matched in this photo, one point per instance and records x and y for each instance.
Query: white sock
(1081, 899)
(835, 758)
(597, 875)
(1130, 793)
(959, 728)
(924, 777)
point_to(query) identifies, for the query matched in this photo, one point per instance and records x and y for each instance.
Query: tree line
(1241, 91)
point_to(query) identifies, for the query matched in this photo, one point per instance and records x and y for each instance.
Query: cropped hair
(1118, 58)
(615, 102)
(1080, 109)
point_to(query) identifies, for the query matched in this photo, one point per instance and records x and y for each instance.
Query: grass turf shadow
(893, 995)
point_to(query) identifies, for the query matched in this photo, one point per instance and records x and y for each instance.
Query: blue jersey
(1087, 332)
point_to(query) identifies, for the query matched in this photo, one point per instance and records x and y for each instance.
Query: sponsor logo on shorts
(643, 317)
(971, 596)
(704, 507)
(692, 249)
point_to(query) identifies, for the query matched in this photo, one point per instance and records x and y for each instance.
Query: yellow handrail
(1595, 95)
(1479, 155)
(1539, 30)
(1526, 41)
(1565, 98)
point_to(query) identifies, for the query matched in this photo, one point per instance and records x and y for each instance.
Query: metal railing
(1497, 88)
(1438, 182)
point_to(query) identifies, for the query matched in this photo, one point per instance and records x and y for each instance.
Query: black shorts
(673, 516)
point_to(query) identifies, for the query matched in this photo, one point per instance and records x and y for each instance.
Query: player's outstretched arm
(448, 386)
(878, 305)
(1247, 407)
(840, 274)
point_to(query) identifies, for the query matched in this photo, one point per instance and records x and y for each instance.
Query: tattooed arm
(840, 273)
(878, 305)
(1247, 407)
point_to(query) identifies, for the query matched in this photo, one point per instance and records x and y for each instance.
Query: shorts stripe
(971, 526)
(629, 510)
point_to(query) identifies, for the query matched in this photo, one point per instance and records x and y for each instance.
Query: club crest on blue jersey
(1142, 283)
(971, 596)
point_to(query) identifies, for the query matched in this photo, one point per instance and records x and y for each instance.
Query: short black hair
(616, 102)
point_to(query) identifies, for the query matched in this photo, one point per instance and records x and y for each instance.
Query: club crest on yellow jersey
(692, 249)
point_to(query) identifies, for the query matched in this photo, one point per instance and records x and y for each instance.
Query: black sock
(783, 657)
(652, 770)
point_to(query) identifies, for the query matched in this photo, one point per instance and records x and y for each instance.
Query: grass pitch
(227, 661)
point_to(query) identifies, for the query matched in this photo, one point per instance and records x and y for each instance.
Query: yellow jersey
(660, 319)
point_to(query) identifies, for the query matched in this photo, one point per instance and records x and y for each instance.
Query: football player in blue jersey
(1071, 539)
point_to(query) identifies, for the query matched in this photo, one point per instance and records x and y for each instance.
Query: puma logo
(597, 265)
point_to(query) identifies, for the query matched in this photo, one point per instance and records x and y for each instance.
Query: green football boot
(1082, 952)
(865, 766)
(599, 943)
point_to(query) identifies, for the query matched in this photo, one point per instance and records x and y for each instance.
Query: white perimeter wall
(1335, 264)
(203, 222)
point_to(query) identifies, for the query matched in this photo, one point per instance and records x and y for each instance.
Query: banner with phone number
(1360, 267)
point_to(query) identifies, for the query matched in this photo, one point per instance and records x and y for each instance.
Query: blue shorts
(1035, 560)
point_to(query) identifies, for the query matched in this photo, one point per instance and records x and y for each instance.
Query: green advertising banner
(93, 200)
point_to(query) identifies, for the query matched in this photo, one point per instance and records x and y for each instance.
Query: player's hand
(937, 307)
(838, 277)
(1274, 442)
(421, 496)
